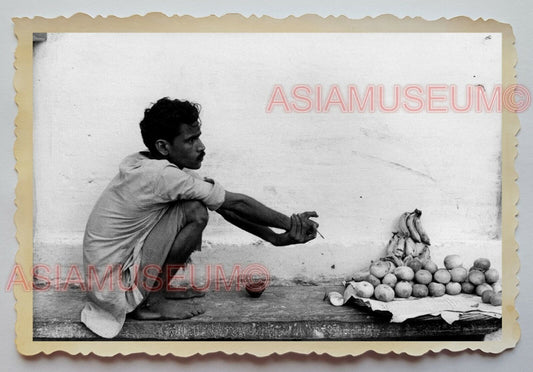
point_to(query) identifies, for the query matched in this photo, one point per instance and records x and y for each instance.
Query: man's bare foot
(144, 313)
(180, 293)
(183, 309)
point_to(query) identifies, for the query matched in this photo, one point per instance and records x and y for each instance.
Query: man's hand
(308, 225)
(302, 229)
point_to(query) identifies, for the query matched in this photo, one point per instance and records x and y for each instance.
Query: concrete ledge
(281, 313)
(316, 263)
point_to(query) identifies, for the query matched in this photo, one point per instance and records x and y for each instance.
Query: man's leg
(188, 240)
(189, 220)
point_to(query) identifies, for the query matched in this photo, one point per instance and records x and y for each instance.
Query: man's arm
(262, 232)
(254, 211)
(256, 218)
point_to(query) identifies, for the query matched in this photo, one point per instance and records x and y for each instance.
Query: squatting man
(152, 215)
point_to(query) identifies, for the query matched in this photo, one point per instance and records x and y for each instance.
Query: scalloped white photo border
(156, 22)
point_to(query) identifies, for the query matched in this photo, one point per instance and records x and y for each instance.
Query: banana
(395, 260)
(424, 238)
(410, 222)
(410, 247)
(399, 251)
(393, 242)
(419, 247)
(390, 263)
(402, 224)
(407, 259)
(425, 254)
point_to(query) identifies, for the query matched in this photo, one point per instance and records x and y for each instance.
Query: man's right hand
(302, 229)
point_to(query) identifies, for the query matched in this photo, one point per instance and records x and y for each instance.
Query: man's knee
(196, 212)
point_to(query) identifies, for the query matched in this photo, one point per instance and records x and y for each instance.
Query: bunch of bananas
(409, 246)
(410, 241)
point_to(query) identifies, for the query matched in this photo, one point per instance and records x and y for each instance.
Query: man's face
(187, 150)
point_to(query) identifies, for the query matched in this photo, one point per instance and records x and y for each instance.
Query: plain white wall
(359, 171)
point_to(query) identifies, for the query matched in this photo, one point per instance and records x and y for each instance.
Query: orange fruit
(390, 279)
(423, 276)
(430, 266)
(486, 296)
(492, 276)
(373, 280)
(415, 264)
(482, 264)
(364, 289)
(420, 290)
(404, 273)
(384, 293)
(442, 276)
(380, 268)
(476, 277)
(459, 274)
(453, 288)
(482, 288)
(436, 289)
(403, 289)
(496, 300)
(468, 287)
(452, 261)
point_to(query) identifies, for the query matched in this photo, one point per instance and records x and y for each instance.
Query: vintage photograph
(268, 186)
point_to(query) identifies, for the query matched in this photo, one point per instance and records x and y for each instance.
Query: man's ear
(161, 146)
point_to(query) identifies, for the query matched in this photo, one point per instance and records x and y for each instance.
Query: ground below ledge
(281, 313)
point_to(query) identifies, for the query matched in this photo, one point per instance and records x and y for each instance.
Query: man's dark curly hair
(164, 119)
